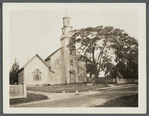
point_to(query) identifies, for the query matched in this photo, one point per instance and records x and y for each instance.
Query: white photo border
(142, 60)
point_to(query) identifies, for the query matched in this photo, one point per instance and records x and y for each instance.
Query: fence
(121, 80)
(111, 81)
(17, 91)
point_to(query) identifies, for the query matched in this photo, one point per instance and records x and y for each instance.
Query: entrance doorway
(72, 76)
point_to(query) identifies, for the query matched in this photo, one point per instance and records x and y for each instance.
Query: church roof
(53, 54)
(32, 59)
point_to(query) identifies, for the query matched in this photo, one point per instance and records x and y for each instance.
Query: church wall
(81, 73)
(66, 56)
(21, 77)
(56, 66)
(73, 68)
(63, 66)
(36, 63)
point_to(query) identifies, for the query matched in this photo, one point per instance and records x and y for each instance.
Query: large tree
(129, 69)
(127, 57)
(102, 46)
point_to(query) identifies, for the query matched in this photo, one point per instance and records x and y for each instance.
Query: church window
(57, 65)
(72, 76)
(36, 75)
(82, 64)
(73, 51)
(67, 22)
(71, 62)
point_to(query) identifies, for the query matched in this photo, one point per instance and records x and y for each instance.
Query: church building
(60, 67)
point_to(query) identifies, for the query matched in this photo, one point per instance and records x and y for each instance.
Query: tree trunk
(96, 75)
(106, 80)
(116, 81)
(90, 77)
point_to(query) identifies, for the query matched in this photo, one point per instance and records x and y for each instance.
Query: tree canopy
(13, 74)
(102, 47)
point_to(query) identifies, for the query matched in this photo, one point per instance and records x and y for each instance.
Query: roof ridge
(32, 59)
(53, 53)
(29, 61)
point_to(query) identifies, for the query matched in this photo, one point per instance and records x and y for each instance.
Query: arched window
(67, 22)
(71, 62)
(57, 65)
(36, 75)
(72, 76)
(63, 33)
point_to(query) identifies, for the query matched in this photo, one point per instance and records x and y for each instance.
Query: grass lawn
(30, 98)
(66, 88)
(125, 101)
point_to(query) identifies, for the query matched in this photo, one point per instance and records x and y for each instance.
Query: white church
(60, 67)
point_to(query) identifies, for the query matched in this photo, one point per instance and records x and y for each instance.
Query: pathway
(81, 99)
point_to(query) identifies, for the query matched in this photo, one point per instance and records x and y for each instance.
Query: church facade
(61, 67)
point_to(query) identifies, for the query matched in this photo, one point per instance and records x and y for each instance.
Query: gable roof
(32, 59)
(53, 54)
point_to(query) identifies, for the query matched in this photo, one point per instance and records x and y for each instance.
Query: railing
(17, 91)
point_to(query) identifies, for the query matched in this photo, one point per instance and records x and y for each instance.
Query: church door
(72, 77)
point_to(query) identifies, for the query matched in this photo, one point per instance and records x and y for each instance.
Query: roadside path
(81, 99)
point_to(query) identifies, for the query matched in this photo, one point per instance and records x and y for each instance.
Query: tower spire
(15, 60)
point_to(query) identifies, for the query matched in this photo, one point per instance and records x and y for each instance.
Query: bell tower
(65, 54)
(66, 28)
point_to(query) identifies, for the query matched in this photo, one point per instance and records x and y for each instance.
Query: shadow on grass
(30, 98)
(125, 101)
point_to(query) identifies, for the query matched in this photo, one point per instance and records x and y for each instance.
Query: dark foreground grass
(125, 101)
(30, 98)
(66, 88)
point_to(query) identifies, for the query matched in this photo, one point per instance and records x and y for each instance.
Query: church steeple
(66, 27)
(66, 21)
(65, 54)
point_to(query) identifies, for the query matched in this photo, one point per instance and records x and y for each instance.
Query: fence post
(24, 89)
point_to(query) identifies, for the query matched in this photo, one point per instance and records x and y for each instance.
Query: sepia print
(74, 56)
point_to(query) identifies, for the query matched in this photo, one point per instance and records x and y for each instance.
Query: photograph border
(5, 60)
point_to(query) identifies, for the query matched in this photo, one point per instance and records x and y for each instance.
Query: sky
(36, 29)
